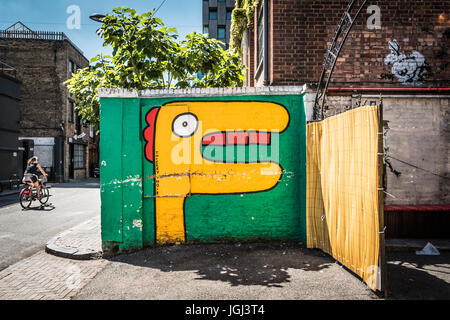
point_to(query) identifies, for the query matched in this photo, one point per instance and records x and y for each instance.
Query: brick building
(299, 32)
(216, 19)
(396, 49)
(44, 61)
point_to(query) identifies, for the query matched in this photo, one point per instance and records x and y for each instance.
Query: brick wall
(42, 66)
(300, 32)
(36, 62)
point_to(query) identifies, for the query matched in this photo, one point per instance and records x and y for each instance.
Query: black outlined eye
(185, 125)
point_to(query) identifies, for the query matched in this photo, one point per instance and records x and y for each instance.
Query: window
(205, 29)
(221, 33)
(78, 124)
(260, 35)
(72, 68)
(78, 156)
(228, 15)
(70, 111)
(213, 15)
(221, 0)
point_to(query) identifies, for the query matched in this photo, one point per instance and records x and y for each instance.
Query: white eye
(185, 125)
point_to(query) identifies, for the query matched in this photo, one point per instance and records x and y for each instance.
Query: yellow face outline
(170, 130)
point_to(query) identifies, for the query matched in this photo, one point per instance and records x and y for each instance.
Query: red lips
(149, 133)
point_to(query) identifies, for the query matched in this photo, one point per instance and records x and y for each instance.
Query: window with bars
(78, 156)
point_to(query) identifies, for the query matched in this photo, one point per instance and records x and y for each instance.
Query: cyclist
(31, 172)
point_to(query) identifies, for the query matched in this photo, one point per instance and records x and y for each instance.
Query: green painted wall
(127, 213)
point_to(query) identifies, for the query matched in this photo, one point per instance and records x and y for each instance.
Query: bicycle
(14, 181)
(28, 193)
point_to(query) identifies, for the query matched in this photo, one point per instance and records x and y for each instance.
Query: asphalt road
(24, 232)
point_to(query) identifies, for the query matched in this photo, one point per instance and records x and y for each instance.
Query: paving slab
(47, 277)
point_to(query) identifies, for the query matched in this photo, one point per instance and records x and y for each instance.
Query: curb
(412, 245)
(71, 253)
(396, 248)
(9, 193)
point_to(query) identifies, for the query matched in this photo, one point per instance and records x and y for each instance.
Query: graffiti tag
(409, 70)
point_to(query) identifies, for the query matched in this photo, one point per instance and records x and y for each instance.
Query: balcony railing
(36, 35)
(39, 35)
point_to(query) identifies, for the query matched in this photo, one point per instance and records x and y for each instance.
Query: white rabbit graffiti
(408, 69)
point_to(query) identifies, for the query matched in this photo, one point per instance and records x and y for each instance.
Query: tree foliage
(147, 55)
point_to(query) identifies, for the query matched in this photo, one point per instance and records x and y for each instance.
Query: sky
(54, 15)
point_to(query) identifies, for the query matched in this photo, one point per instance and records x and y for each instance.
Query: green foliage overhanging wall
(242, 18)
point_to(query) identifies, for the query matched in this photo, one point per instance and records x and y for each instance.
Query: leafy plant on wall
(147, 55)
(242, 19)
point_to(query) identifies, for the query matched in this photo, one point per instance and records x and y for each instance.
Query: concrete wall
(417, 131)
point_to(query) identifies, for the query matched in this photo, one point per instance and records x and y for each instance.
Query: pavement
(72, 267)
(24, 232)
(46, 277)
(82, 242)
(267, 271)
(26, 270)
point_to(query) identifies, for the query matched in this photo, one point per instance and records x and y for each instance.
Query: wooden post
(381, 187)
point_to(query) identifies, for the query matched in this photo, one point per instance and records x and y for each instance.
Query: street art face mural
(188, 145)
(409, 70)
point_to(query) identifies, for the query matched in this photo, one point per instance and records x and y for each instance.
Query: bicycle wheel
(25, 197)
(44, 195)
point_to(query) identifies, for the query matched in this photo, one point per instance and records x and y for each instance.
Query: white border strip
(201, 92)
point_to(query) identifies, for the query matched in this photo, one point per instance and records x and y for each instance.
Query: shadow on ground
(40, 207)
(412, 276)
(6, 200)
(247, 264)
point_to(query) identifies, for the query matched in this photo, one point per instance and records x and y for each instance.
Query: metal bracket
(340, 36)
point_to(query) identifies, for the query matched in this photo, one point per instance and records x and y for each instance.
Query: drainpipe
(389, 89)
(266, 42)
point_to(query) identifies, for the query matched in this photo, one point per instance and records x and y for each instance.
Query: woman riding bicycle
(31, 174)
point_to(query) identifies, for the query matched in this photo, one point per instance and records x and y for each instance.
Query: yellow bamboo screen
(342, 195)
